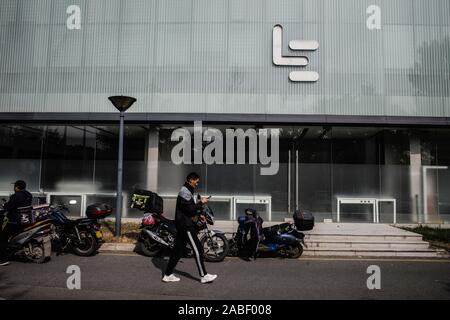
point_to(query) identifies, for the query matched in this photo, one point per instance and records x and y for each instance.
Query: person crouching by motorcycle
(253, 233)
(186, 211)
(21, 198)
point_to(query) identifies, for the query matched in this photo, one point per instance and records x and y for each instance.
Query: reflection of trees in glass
(20, 142)
(431, 76)
(106, 143)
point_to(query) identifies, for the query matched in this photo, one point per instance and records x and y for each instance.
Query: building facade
(355, 93)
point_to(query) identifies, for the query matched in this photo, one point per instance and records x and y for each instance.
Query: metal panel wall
(215, 56)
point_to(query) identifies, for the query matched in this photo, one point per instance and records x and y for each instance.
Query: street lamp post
(122, 104)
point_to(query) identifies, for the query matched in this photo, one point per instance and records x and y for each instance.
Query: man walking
(186, 209)
(21, 198)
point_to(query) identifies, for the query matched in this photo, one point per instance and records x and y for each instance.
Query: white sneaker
(170, 278)
(208, 278)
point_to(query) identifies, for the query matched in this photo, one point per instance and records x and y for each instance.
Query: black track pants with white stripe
(186, 237)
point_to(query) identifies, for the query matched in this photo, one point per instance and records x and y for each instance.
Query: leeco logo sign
(298, 61)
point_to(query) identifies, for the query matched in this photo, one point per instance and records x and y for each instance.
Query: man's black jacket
(186, 208)
(19, 199)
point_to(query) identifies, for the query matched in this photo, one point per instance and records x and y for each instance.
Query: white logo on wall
(296, 61)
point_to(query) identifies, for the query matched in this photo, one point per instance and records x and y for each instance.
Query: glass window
(20, 155)
(68, 159)
(73, 203)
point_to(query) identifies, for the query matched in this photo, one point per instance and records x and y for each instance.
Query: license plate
(99, 234)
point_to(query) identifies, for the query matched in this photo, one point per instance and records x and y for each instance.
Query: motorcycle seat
(166, 220)
(72, 223)
(276, 230)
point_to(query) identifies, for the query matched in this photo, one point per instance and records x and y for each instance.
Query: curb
(117, 247)
(110, 247)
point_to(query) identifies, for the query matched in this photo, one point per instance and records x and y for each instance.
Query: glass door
(432, 204)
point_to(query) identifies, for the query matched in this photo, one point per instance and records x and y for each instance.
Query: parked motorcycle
(33, 242)
(215, 243)
(282, 239)
(81, 236)
(158, 233)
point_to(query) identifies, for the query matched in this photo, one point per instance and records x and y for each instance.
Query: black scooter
(32, 243)
(282, 239)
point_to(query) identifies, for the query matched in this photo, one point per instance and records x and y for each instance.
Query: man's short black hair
(20, 184)
(192, 176)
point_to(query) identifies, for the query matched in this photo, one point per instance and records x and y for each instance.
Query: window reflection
(318, 164)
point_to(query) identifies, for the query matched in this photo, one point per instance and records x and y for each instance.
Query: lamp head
(122, 103)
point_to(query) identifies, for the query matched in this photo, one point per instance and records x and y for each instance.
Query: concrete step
(373, 248)
(117, 247)
(368, 237)
(326, 252)
(358, 240)
(367, 244)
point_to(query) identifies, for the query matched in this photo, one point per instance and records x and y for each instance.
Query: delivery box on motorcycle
(98, 211)
(304, 220)
(33, 214)
(148, 201)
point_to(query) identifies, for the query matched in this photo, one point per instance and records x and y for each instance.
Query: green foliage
(432, 234)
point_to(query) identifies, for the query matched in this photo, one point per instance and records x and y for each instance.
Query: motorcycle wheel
(37, 254)
(147, 246)
(215, 247)
(233, 250)
(295, 252)
(87, 246)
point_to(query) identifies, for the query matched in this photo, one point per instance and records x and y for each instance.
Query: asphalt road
(113, 276)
